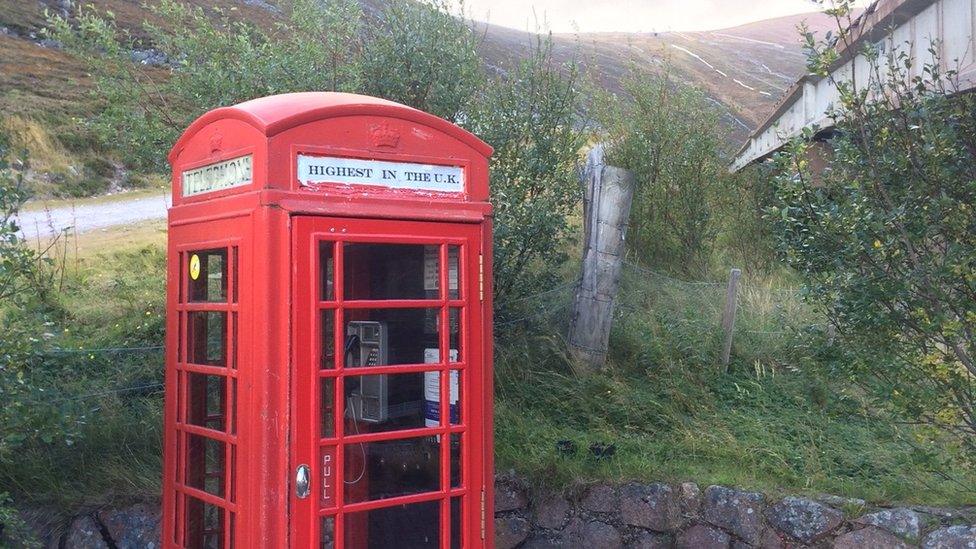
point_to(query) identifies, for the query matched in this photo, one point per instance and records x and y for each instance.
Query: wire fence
(691, 307)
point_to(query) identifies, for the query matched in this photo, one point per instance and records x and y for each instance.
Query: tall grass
(674, 415)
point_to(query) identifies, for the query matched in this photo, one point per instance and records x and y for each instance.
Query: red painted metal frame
(271, 222)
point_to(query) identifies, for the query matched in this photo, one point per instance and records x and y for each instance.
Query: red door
(387, 389)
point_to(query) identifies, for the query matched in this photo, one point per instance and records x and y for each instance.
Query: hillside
(44, 92)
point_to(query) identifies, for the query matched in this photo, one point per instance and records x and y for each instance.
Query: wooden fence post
(728, 316)
(609, 192)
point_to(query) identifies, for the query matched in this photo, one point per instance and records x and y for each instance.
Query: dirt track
(42, 223)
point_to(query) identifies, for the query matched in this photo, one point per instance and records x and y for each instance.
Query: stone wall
(633, 515)
(683, 516)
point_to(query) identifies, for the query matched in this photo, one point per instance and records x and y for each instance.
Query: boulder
(510, 531)
(804, 519)
(869, 537)
(509, 497)
(651, 540)
(653, 506)
(593, 534)
(691, 499)
(84, 533)
(735, 511)
(702, 536)
(840, 501)
(551, 511)
(951, 537)
(135, 527)
(601, 498)
(900, 521)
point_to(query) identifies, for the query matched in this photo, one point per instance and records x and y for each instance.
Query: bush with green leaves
(885, 237)
(531, 116)
(668, 134)
(420, 54)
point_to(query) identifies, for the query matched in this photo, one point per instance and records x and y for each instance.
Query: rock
(84, 534)
(264, 5)
(804, 519)
(551, 511)
(870, 537)
(900, 521)
(135, 527)
(509, 498)
(771, 540)
(651, 540)
(839, 501)
(702, 536)
(691, 499)
(653, 506)
(510, 531)
(151, 57)
(542, 542)
(951, 537)
(736, 511)
(594, 534)
(50, 43)
(601, 499)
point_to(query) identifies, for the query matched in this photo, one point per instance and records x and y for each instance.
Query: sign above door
(313, 170)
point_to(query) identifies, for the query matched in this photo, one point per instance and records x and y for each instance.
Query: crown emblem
(384, 136)
(216, 141)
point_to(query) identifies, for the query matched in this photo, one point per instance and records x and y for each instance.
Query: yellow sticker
(194, 266)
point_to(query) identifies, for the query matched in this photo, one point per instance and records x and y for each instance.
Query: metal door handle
(302, 481)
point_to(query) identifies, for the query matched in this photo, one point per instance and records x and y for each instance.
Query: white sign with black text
(395, 175)
(215, 177)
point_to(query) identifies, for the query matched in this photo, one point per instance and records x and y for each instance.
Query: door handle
(302, 481)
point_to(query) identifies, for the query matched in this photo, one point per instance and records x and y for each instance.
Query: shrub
(885, 237)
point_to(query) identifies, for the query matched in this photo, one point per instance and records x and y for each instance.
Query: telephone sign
(328, 351)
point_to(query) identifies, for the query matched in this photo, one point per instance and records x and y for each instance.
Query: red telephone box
(328, 357)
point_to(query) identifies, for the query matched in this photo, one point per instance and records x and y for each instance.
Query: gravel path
(40, 224)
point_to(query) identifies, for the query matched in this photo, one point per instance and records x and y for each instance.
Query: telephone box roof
(274, 114)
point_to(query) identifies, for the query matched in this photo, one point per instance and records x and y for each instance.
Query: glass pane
(456, 468)
(205, 464)
(208, 275)
(204, 525)
(390, 336)
(432, 398)
(379, 470)
(454, 272)
(205, 337)
(327, 271)
(232, 399)
(387, 402)
(390, 271)
(234, 341)
(456, 536)
(231, 472)
(327, 533)
(236, 273)
(205, 403)
(403, 526)
(454, 319)
(181, 257)
(327, 406)
(327, 339)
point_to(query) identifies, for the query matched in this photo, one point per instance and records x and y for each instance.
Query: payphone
(367, 345)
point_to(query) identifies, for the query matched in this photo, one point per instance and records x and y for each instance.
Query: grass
(671, 413)
(674, 415)
(113, 296)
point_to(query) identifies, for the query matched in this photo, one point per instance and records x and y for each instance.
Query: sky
(631, 15)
